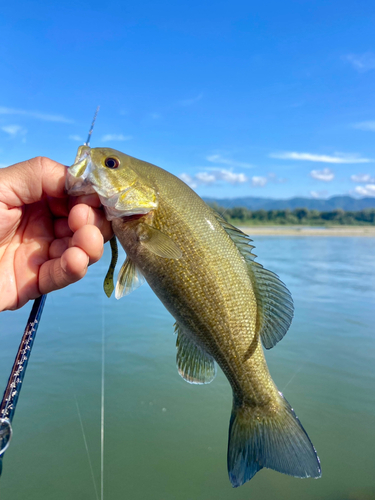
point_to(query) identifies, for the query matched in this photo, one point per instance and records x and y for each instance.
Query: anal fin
(193, 363)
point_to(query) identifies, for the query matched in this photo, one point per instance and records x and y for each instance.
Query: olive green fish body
(225, 304)
(207, 290)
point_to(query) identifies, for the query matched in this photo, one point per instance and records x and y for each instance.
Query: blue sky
(268, 99)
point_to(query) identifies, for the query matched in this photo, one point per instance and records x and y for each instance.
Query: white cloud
(369, 125)
(231, 177)
(14, 130)
(213, 177)
(325, 175)
(271, 177)
(76, 138)
(363, 178)
(189, 102)
(258, 181)
(361, 62)
(226, 161)
(368, 190)
(205, 178)
(338, 158)
(319, 194)
(188, 180)
(116, 137)
(34, 114)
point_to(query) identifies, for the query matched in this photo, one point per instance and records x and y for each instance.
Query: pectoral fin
(108, 284)
(274, 301)
(157, 242)
(129, 278)
(193, 363)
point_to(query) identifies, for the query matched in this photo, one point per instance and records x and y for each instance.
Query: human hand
(47, 239)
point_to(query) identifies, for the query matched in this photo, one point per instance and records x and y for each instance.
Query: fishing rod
(17, 374)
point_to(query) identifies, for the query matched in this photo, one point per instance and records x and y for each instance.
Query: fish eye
(111, 162)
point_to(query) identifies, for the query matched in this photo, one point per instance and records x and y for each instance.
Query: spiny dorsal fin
(157, 242)
(193, 363)
(274, 301)
(129, 278)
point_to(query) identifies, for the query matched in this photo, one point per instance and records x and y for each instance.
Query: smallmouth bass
(225, 304)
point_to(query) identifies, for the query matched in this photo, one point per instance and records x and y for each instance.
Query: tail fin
(277, 441)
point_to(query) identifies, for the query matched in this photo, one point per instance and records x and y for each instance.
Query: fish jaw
(121, 195)
(78, 180)
(114, 207)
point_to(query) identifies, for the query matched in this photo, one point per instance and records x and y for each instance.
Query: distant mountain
(344, 202)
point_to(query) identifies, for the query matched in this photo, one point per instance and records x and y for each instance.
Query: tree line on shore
(241, 215)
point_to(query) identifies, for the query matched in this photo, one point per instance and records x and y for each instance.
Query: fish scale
(224, 303)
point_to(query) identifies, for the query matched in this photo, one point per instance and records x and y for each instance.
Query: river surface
(165, 439)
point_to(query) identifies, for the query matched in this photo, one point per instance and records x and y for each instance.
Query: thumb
(31, 180)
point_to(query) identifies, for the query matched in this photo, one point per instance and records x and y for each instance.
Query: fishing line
(292, 377)
(87, 448)
(102, 409)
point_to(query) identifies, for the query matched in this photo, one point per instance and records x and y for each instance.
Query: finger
(81, 214)
(31, 180)
(59, 206)
(58, 247)
(61, 228)
(89, 239)
(88, 199)
(59, 273)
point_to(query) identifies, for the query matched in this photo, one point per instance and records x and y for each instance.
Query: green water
(166, 439)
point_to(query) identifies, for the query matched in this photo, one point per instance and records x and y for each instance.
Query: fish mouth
(78, 180)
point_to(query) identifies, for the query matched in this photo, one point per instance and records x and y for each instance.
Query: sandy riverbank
(341, 231)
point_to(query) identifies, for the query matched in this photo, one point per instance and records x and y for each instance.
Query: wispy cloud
(258, 181)
(213, 177)
(14, 130)
(35, 114)
(368, 126)
(220, 176)
(368, 190)
(76, 138)
(189, 102)
(361, 62)
(325, 175)
(217, 158)
(338, 158)
(116, 137)
(319, 194)
(188, 179)
(363, 178)
(261, 180)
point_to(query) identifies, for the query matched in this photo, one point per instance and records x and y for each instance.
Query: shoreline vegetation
(301, 222)
(308, 231)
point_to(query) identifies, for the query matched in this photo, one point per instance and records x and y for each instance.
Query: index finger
(31, 180)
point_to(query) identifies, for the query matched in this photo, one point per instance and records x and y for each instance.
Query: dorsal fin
(274, 301)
